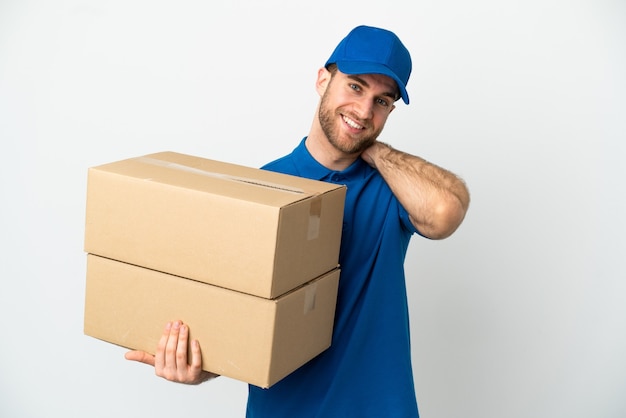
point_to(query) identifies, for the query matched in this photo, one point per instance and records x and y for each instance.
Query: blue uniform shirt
(366, 373)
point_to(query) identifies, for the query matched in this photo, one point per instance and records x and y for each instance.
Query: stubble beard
(350, 145)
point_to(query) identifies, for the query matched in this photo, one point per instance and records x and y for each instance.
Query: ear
(323, 78)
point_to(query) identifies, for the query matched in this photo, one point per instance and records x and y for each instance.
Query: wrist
(375, 153)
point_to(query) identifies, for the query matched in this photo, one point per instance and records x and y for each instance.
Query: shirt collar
(316, 171)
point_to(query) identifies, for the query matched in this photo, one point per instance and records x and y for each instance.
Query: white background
(522, 313)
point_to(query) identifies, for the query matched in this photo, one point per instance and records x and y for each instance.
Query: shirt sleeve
(406, 221)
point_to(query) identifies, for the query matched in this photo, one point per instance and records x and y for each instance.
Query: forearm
(435, 198)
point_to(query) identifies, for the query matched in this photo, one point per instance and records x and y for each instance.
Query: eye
(354, 87)
(382, 102)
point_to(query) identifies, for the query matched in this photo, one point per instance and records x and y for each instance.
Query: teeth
(352, 123)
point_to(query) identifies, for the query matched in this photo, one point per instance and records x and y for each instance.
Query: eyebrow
(392, 94)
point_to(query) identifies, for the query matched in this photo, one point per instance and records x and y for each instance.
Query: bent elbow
(446, 219)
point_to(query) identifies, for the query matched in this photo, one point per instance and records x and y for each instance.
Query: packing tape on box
(255, 182)
(316, 201)
(309, 298)
(315, 215)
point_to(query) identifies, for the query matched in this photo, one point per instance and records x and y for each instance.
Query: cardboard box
(237, 227)
(245, 337)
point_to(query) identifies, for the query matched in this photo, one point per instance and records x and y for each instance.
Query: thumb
(140, 356)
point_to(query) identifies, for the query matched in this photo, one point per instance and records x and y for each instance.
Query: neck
(325, 153)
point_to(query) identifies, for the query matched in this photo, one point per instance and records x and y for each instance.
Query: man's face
(354, 109)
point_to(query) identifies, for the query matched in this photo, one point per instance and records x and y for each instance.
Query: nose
(364, 108)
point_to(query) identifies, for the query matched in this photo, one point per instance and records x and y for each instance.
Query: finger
(196, 357)
(140, 356)
(160, 352)
(181, 350)
(171, 345)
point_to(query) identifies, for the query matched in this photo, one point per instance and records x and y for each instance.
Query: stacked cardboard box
(247, 258)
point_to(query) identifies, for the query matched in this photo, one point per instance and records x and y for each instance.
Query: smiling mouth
(351, 123)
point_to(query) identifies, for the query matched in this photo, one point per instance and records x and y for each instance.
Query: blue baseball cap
(370, 50)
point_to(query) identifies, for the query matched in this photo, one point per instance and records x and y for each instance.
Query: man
(390, 196)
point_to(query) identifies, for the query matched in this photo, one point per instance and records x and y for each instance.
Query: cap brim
(360, 67)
